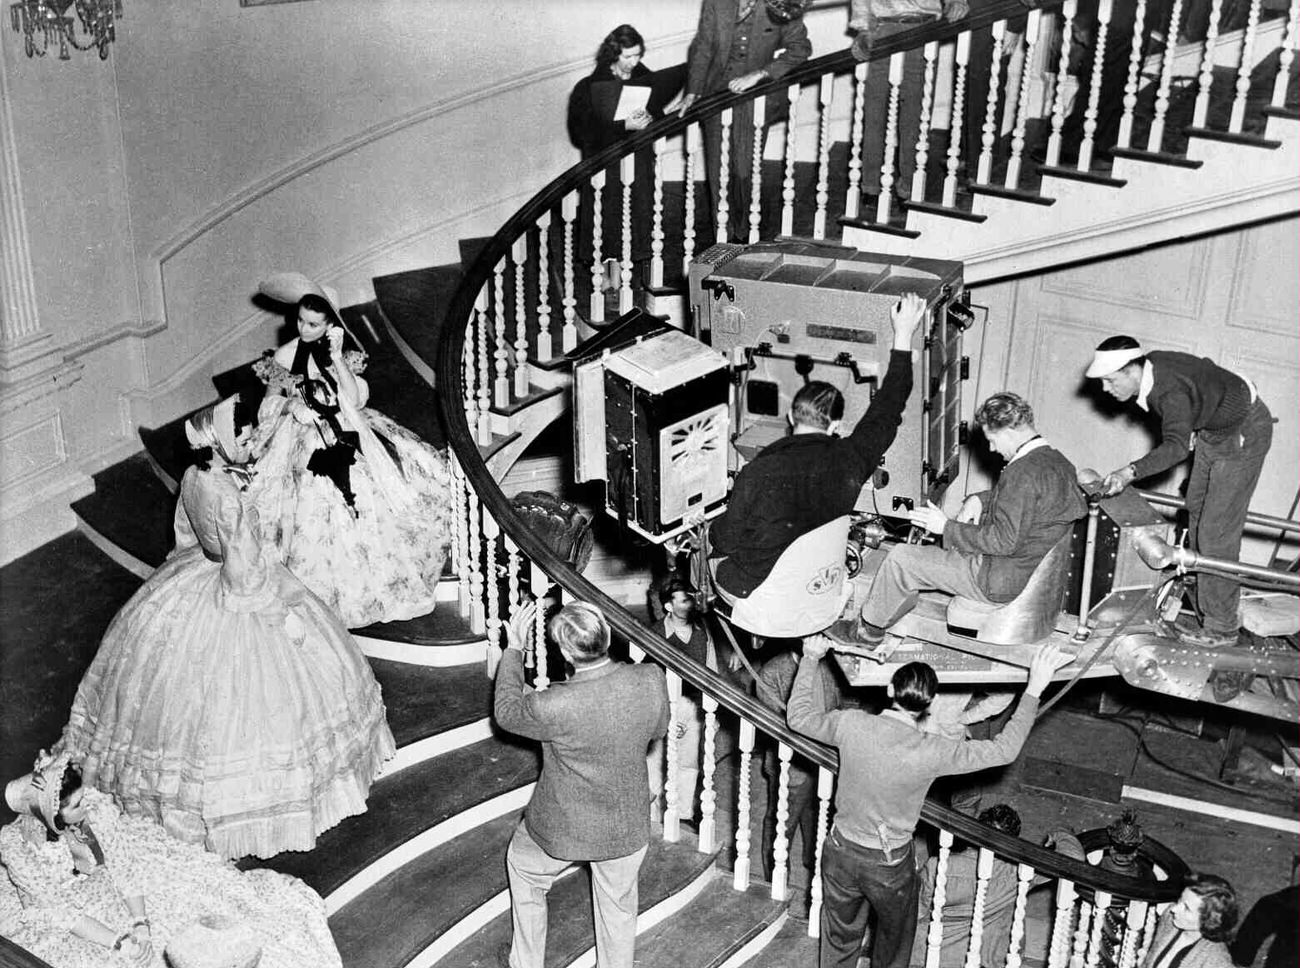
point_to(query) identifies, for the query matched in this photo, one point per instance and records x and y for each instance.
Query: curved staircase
(419, 879)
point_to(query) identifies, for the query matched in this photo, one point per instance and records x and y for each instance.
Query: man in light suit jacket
(591, 803)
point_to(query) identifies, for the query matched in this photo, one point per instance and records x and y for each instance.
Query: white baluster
(462, 558)
(672, 809)
(1134, 75)
(923, 133)
(740, 879)
(1079, 951)
(1024, 879)
(544, 351)
(724, 176)
(983, 871)
(825, 786)
(1206, 78)
(1062, 924)
(501, 387)
(657, 219)
(693, 142)
(596, 304)
(1094, 91)
(1068, 10)
(469, 373)
(756, 170)
(1093, 957)
(1244, 71)
(627, 172)
(519, 252)
(781, 842)
(484, 428)
(569, 333)
(538, 583)
(491, 576)
(1148, 934)
(512, 595)
(708, 767)
(1156, 137)
(958, 109)
(477, 615)
(984, 171)
(934, 937)
(1286, 56)
(886, 200)
(1134, 916)
(826, 94)
(791, 142)
(1032, 27)
(851, 200)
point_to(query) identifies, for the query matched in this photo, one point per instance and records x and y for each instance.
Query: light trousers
(910, 569)
(532, 871)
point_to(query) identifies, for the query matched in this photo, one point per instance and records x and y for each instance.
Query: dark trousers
(875, 115)
(855, 881)
(1225, 470)
(611, 214)
(802, 815)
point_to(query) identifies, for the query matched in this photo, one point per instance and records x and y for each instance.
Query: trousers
(876, 115)
(855, 881)
(531, 872)
(910, 569)
(1225, 471)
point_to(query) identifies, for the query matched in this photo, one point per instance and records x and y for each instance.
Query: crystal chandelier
(42, 21)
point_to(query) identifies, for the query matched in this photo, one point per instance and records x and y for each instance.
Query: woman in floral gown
(84, 886)
(358, 506)
(226, 701)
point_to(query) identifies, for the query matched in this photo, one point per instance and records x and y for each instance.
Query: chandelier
(42, 21)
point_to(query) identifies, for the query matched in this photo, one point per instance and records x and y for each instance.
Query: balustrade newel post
(1033, 24)
(781, 841)
(1156, 137)
(1244, 70)
(596, 305)
(990, 132)
(1134, 79)
(657, 218)
(958, 107)
(1068, 10)
(1094, 90)
(1286, 55)
(934, 937)
(723, 206)
(708, 770)
(816, 893)
(693, 143)
(885, 201)
(627, 174)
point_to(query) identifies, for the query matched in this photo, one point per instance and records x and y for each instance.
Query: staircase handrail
(450, 389)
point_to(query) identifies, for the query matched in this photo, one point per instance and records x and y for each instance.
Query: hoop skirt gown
(225, 700)
(41, 897)
(368, 533)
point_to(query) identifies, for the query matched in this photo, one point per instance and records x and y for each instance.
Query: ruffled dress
(43, 895)
(358, 507)
(226, 701)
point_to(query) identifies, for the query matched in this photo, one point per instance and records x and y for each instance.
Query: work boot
(854, 631)
(1205, 638)
(1228, 685)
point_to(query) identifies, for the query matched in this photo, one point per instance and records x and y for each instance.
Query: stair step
(471, 248)
(1233, 138)
(57, 602)
(1015, 194)
(402, 807)
(444, 626)
(790, 948)
(668, 869)
(1172, 159)
(423, 701)
(715, 928)
(1090, 177)
(130, 514)
(945, 211)
(414, 305)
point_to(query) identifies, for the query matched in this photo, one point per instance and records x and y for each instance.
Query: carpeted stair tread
(668, 868)
(405, 805)
(791, 948)
(443, 626)
(423, 701)
(132, 509)
(169, 450)
(55, 604)
(471, 248)
(414, 303)
(711, 928)
(402, 915)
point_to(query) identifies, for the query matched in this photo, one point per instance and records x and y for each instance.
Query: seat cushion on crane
(1030, 616)
(805, 591)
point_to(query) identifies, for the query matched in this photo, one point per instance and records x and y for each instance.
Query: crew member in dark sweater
(801, 482)
(1196, 400)
(999, 535)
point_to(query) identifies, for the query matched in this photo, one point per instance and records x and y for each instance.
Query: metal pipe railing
(1264, 522)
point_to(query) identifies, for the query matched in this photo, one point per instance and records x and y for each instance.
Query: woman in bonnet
(88, 887)
(358, 507)
(226, 701)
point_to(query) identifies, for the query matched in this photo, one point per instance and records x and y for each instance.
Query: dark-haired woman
(357, 505)
(88, 887)
(592, 129)
(1194, 932)
(226, 701)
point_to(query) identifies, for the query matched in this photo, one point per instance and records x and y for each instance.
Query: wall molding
(251, 193)
(1191, 308)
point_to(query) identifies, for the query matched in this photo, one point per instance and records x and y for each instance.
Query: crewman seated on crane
(813, 476)
(998, 537)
